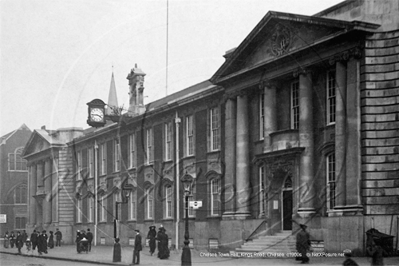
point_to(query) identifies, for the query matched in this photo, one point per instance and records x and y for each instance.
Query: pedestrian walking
(50, 243)
(28, 245)
(137, 248)
(34, 238)
(12, 239)
(89, 237)
(58, 238)
(19, 242)
(377, 253)
(348, 260)
(77, 240)
(42, 243)
(303, 243)
(152, 234)
(6, 240)
(117, 256)
(162, 237)
(24, 236)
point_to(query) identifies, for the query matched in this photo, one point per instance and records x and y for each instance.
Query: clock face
(97, 115)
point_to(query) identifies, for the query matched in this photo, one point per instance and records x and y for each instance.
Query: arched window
(20, 195)
(15, 161)
(168, 205)
(214, 189)
(149, 203)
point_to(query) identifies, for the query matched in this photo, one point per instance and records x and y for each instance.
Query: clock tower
(136, 88)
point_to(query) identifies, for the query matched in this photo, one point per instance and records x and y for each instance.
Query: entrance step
(281, 243)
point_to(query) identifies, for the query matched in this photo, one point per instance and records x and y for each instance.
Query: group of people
(83, 240)
(40, 240)
(160, 240)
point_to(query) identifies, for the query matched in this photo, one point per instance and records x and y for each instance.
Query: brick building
(14, 180)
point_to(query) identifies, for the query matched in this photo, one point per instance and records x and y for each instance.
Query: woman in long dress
(152, 234)
(6, 240)
(163, 240)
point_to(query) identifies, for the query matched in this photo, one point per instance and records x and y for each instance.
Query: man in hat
(34, 238)
(137, 248)
(58, 238)
(89, 236)
(303, 243)
(152, 237)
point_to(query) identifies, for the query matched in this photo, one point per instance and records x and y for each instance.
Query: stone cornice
(355, 52)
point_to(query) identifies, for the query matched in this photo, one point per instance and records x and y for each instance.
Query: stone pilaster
(54, 200)
(32, 192)
(306, 140)
(353, 152)
(340, 133)
(242, 158)
(270, 114)
(230, 158)
(47, 189)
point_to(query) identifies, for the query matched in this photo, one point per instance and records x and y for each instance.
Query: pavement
(102, 255)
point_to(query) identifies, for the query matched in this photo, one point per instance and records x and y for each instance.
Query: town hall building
(298, 126)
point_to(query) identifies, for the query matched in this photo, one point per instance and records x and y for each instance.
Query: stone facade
(51, 181)
(299, 125)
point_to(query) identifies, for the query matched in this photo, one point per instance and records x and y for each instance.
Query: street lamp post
(186, 255)
(126, 189)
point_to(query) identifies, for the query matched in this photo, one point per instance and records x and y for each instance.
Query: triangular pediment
(281, 34)
(36, 143)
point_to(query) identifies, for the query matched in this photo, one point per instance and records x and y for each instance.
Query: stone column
(242, 158)
(270, 114)
(306, 175)
(47, 189)
(340, 133)
(32, 192)
(54, 200)
(230, 158)
(40, 190)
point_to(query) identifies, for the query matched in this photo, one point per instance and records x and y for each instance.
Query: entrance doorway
(287, 204)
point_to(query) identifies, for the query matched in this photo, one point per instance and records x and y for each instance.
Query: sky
(58, 55)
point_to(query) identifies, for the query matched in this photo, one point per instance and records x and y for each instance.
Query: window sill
(131, 221)
(189, 157)
(167, 219)
(213, 152)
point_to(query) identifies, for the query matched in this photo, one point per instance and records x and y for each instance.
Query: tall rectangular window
(149, 203)
(133, 205)
(91, 161)
(331, 93)
(79, 211)
(262, 116)
(20, 195)
(117, 156)
(168, 141)
(168, 201)
(103, 208)
(103, 159)
(215, 129)
(149, 146)
(262, 190)
(90, 209)
(331, 185)
(79, 164)
(215, 196)
(295, 105)
(189, 136)
(132, 150)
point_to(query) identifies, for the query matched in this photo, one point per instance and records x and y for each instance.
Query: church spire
(112, 98)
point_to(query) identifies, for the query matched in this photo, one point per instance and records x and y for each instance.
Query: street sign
(3, 218)
(195, 204)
